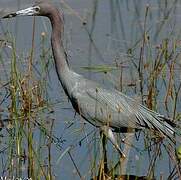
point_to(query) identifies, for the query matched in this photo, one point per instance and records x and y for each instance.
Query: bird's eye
(37, 9)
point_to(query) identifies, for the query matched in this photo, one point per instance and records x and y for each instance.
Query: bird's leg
(103, 139)
(109, 134)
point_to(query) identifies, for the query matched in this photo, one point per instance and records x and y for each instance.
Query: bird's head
(39, 9)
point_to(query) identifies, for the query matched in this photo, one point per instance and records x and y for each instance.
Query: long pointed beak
(9, 15)
(25, 12)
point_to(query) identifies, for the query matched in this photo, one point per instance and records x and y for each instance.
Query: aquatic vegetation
(130, 45)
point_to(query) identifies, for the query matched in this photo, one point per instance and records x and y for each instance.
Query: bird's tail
(170, 129)
(162, 124)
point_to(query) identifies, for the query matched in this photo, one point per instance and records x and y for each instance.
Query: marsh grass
(27, 135)
(153, 64)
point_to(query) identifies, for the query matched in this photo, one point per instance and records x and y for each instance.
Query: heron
(107, 109)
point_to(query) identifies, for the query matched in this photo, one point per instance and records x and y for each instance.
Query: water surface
(108, 33)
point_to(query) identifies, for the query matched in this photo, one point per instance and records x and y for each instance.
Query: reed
(145, 60)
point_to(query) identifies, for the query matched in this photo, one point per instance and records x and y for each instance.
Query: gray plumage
(112, 108)
(106, 109)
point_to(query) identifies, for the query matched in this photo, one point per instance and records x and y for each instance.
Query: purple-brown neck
(57, 44)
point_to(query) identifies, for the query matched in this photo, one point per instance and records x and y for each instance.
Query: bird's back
(110, 107)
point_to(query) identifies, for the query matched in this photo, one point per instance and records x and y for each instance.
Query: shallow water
(98, 33)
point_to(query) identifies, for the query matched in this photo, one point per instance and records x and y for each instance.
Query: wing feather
(101, 106)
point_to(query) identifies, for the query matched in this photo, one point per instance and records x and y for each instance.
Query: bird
(107, 109)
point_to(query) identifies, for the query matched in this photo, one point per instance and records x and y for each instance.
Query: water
(99, 33)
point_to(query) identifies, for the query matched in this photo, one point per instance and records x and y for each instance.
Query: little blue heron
(107, 109)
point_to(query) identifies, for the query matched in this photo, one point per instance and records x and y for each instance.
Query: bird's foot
(109, 134)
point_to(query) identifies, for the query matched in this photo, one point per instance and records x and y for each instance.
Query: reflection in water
(40, 134)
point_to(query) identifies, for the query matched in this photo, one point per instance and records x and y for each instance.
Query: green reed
(153, 58)
(25, 119)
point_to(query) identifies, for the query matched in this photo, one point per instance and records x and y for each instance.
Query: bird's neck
(57, 45)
